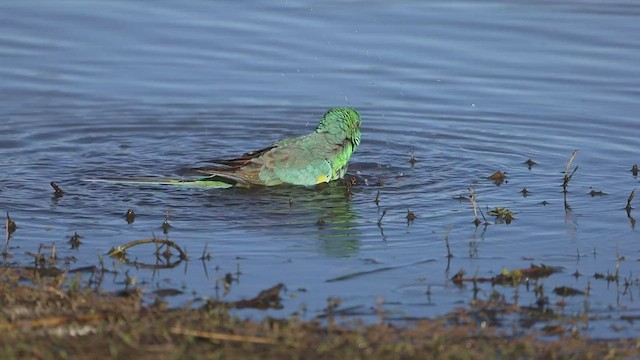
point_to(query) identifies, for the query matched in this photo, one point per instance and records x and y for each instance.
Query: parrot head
(343, 122)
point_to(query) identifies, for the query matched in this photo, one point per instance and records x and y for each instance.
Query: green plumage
(321, 156)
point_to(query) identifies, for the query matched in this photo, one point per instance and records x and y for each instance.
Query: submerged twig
(377, 199)
(384, 237)
(384, 212)
(205, 255)
(629, 200)
(373, 271)
(446, 243)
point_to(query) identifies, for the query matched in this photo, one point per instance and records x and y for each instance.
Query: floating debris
(39, 257)
(57, 190)
(167, 292)
(352, 180)
(532, 272)
(75, 241)
(509, 277)
(413, 159)
(130, 216)
(607, 277)
(266, 299)
(459, 278)
(553, 329)
(498, 177)
(410, 216)
(461, 197)
(167, 254)
(597, 193)
(567, 291)
(530, 163)
(227, 280)
(166, 226)
(502, 214)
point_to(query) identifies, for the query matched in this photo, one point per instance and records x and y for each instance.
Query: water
(137, 89)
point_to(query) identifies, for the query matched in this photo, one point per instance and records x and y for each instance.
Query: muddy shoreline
(53, 315)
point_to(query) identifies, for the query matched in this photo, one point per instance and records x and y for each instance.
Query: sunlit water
(93, 90)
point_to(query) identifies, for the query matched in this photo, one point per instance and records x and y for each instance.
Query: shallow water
(139, 89)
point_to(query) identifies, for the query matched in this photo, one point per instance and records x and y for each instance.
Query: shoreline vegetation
(51, 315)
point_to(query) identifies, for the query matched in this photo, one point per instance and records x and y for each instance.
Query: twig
(567, 176)
(476, 209)
(446, 242)
(205, 254)
(377, 199)
(221, 336)
(629, 200)
(472, 198)
(384, 212)
(119, 251)
(10, 228)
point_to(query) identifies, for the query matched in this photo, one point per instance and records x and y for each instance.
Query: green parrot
(319, 157)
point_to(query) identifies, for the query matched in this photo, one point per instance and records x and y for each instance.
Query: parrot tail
(209, 182)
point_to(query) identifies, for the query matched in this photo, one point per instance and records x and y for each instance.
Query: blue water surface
(123, 89)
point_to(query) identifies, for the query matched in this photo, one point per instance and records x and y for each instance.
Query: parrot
(319, 157)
